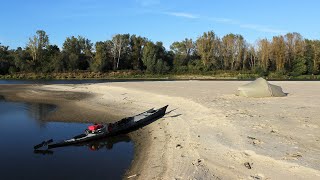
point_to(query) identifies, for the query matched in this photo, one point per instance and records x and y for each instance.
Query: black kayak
(112, 129)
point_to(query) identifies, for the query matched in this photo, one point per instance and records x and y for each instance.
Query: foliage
(208, 55)
(298, 66)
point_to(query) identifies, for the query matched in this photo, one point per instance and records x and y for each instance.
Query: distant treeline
(289, 55)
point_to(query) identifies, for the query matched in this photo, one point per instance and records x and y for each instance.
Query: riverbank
(139, 75)
(211, 133)
(71, 106)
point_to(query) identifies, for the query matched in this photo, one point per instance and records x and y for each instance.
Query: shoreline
(66, 102)
(141, 76)
(211, 133)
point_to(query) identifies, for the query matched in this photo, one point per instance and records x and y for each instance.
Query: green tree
(102, 59)
(77, 53)
(208, 48)
(6, 59)
(295, 46)
(298, 66)
(183, 51)
(120, 48)
(22, 59)
(136, 46)
(55, 61)
(36, 46)
(154, 58)
(312, 56)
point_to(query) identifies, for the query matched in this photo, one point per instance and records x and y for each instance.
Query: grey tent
(260, 88)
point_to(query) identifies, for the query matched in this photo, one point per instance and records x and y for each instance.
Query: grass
(227, 75)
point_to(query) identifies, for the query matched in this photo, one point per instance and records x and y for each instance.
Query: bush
(278, 75)
(260, 71)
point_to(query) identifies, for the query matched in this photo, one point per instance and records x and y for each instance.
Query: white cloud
(222, 20)
(148, 2)
(261, 28)
(256, 27)
(182, 14)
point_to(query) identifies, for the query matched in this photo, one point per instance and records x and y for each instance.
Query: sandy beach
(210, 133)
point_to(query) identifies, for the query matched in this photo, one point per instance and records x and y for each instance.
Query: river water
(22, 127)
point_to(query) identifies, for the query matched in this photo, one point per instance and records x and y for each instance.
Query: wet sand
(211, 133)
(72, 106)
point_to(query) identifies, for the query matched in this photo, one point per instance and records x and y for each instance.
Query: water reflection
(96, 145)
(2, 98)
(21, 131)
(39, 112)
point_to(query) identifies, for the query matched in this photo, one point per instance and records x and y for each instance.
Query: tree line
(290, 54)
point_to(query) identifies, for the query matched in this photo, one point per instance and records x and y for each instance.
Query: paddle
(44, 143)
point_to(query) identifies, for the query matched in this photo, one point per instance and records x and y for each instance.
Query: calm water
(21, 128)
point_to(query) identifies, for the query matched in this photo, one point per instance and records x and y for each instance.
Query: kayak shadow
(106, 143)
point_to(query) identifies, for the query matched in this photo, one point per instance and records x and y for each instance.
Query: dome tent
(260, 88)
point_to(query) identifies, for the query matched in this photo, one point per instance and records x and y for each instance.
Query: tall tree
(102, 59)
(154, 58)
(233, 51)
(183, 51)
(54, 61)
(120, 47)
(316, 57)
(136, 46)
(298, 66)
(295, 48)
(251, 57)
(264, 53)
(208, 48)
(6, 59)
(77, 52)
(36, 46)
(240, 49)
(312, 56)
(278, 50)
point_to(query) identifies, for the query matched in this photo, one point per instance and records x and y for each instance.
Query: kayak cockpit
(96, 128)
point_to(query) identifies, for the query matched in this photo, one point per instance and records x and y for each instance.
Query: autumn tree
(183, 51)
(278, 50)
(250, 57)
(264, 54)
(295, 49)
(312, 56)
(208, 49)
(240, 52)
(233, 51)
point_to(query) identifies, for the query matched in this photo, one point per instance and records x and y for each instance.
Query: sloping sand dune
(213, 134)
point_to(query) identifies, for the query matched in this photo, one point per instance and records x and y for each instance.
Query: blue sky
(158, 20)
